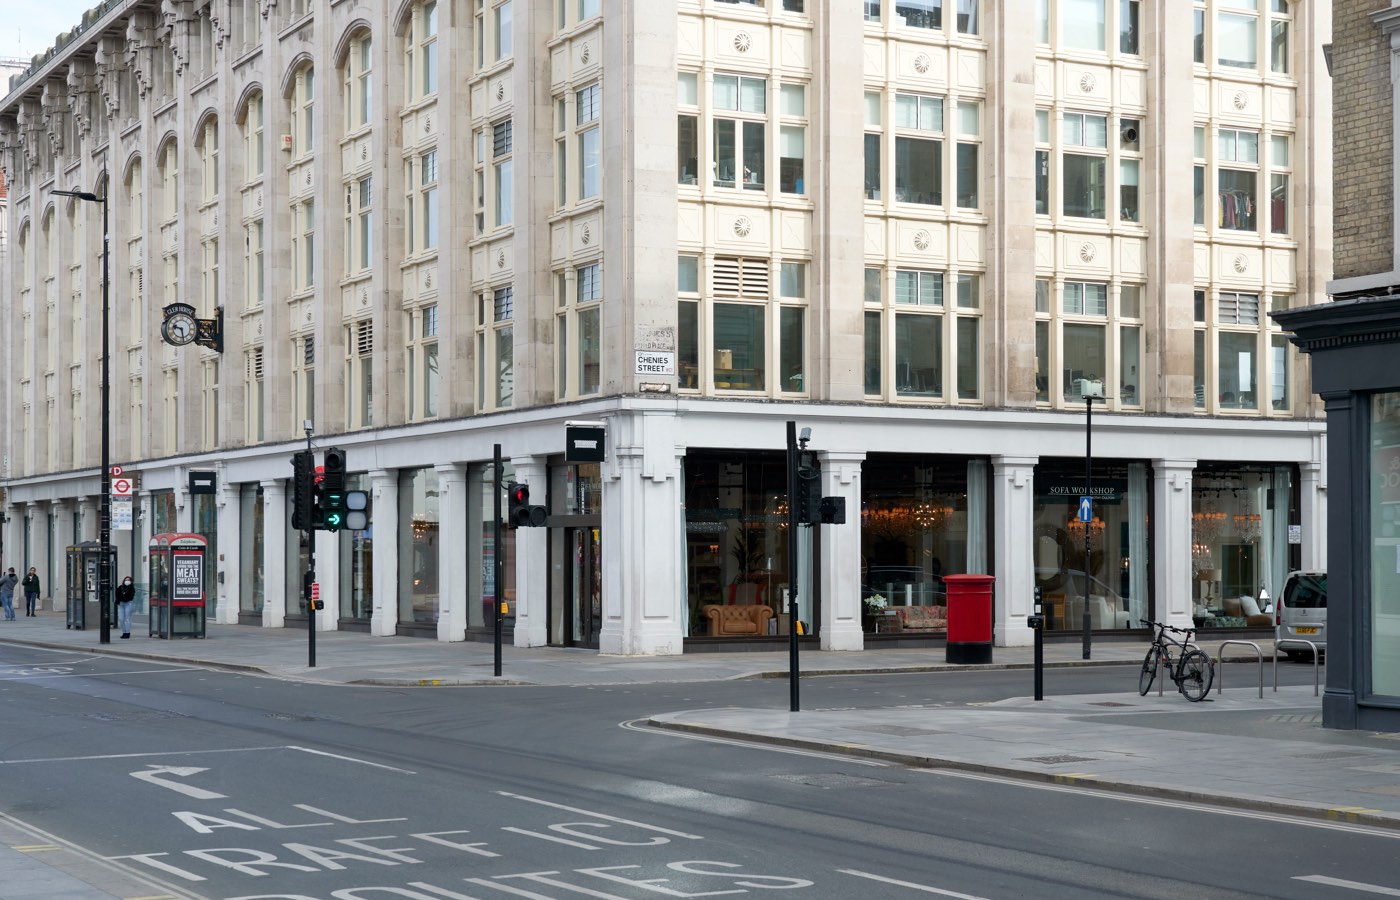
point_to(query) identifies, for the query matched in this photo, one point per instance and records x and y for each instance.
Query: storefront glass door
(584, 589)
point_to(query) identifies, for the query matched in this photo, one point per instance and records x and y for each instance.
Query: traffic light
(303, 494)
(522, 514)
(833, 510)
(333, 490)
(809, 489)
(356, 510)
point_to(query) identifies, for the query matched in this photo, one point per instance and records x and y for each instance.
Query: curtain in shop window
(1137, 544)
(977, 517)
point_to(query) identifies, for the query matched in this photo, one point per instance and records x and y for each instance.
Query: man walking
(7, 593)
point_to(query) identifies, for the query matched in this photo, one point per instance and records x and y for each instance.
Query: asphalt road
(231, 786)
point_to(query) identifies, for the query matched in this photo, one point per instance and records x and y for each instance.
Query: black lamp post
(1091, 391)
(104, 536)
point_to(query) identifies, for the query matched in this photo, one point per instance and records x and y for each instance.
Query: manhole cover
(1058, 760)
(832, 780)
(1332, 754)
(1296, 719)
(1109, 703)
(897, 730)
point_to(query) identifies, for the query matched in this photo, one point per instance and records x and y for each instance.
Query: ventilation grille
(737, 277)
(308, 351)
(255, 364)
(364, 337)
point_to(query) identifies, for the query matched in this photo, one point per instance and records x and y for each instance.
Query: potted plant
(871, 607)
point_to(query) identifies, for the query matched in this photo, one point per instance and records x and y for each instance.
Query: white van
(1301, 612)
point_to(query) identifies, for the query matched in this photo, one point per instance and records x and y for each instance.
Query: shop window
(419, 548)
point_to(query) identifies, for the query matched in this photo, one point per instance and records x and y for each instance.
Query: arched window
(359, 93)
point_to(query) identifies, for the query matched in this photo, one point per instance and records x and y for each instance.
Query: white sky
(28, 27)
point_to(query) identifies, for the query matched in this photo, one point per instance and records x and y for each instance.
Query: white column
(275, 537)
(227, 571)
(328, 577)
(39, 554)
(1013, 515)
(532, 560)
(1312, 510)
(1171, 540)
(56, 582)
(643, 607)
(13, 538)
(452, 553)
(531, 555)
(88, 511)
(384, 508)
(839, 566)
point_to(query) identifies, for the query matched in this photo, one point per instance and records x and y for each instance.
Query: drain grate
(287, 717)
(897, 730)
(831, 780)
(1109, 703)
(1058, 760)
(1333, 754)
(1296, 719)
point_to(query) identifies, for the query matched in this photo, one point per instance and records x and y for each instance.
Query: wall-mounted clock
(179, 328)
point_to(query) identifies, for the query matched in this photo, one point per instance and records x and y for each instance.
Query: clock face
(179, 329)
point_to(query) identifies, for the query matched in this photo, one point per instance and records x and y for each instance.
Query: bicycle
(1193, 671)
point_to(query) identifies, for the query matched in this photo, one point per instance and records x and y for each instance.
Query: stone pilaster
(384, 507)
(1013, 515)
(1171, 540)
(275, 537)
(452, 553)
(839, 566)
(643, 606)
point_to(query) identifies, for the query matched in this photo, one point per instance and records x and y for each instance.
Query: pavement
(1236, 749)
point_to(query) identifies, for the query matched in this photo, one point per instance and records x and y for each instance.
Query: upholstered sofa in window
(917, 619)
(744, 619)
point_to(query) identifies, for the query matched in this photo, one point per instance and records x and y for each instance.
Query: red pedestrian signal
(522, 514)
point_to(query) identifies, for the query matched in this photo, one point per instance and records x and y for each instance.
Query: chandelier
(900, 519)
(1201, 558)
(1207, 524)
(933, 513)
(1077, 528)
(1248, 525)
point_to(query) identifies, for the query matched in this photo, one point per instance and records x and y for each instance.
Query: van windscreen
(1306, 592)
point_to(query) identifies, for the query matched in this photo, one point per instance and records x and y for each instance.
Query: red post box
(969, 618)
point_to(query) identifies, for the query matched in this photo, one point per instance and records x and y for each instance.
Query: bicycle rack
(1220, 659)
(1295, 641)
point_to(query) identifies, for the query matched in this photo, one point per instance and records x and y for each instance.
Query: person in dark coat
(30, 584)
(126, 595)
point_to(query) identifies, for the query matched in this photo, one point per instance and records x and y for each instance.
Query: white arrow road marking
(1352, 885)
(154, 773)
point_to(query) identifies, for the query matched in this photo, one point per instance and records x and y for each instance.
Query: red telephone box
(178, 598)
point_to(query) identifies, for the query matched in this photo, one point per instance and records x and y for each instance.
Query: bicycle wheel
(1197, 675)
(1148, 673)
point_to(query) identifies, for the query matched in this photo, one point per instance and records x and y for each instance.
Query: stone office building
(922, 228)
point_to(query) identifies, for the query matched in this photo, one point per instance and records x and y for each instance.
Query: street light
(1090, 391)
(104, 537)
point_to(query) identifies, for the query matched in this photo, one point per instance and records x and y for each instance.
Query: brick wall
(1363, 129)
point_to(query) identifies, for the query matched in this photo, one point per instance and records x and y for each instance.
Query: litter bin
(969, 618)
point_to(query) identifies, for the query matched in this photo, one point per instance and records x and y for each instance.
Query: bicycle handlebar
(1166, 627)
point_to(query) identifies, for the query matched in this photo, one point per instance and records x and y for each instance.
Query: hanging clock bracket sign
(180, 327)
